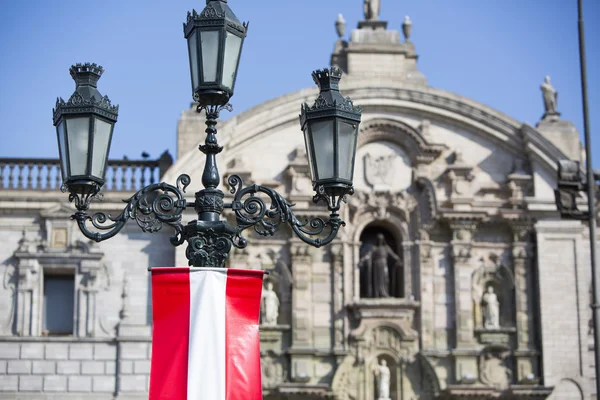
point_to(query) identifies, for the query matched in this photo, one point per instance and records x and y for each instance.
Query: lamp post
(215, 37)
(571, 181)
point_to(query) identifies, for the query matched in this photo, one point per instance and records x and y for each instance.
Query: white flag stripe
(206, 358)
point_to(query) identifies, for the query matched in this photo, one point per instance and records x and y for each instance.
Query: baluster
(142, 177)
(38, 181)
(57, 177)
(28, 180)
(123, 177)
(19, 170)
(11, 176)
(113, 181)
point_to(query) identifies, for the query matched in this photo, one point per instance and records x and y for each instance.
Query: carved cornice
(418, 149)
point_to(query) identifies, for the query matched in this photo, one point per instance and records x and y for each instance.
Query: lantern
(84, 126)
(215, 38)
(330, 129)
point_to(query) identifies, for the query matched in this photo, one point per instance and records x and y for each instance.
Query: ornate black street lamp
(84, 126)
(215, 37)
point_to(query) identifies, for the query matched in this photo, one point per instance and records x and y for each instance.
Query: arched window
(381, 264)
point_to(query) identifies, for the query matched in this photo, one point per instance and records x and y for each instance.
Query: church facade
(454, 277)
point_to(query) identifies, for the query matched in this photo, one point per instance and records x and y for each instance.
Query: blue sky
(496, 52)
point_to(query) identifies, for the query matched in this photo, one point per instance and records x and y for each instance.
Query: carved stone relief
(273, 369)
(381, 205)
(493, 370)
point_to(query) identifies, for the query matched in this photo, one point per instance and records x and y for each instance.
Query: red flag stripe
(242, 343)
(171, 317)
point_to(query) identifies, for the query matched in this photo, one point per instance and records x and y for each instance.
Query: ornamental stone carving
(379, 171)
(273, 370)
(460, 177)
(493, 370)
(270, 305)
(381, 205)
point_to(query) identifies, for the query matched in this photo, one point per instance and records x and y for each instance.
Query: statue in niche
(550, 96)
(491, 309)
(492, 293)
(270, 309)
(377, 273)
(382, 373)
(371, 9)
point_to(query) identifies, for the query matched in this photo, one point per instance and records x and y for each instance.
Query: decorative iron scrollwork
(151, 207)
(252, 211)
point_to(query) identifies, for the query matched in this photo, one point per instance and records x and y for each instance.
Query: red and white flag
(205, 340)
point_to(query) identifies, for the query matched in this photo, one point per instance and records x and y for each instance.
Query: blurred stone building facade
(486, 293)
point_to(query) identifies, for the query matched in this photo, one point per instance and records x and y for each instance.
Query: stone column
(522, 253)
(466, 360)
(301, 313)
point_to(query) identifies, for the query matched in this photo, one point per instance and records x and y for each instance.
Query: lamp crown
(86, 74)
(328, 78)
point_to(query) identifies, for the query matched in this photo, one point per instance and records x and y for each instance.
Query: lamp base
(206, 98)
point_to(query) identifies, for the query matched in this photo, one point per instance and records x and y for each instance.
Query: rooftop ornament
(215, 36)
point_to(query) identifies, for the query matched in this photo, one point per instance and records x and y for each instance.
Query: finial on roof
(407, 28)
(340, 25)
(371, 9)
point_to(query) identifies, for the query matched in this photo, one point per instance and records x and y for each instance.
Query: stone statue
(491, 309)
(550, 96)
(382, 372)
(376, 260)
(371, 9)
(270, 305)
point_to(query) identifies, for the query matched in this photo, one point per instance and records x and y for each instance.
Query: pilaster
(339, 313)
(301, 363)
(462, 242)
(427, 290)
(522, 255)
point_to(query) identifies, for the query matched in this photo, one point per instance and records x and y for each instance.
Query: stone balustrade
(44, 173)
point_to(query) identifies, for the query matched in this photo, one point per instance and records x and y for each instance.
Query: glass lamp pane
(322, 136)
(62, 148)
(311, 163)
(78, 133)
(193, 51)
(346, 146)
(102, 133)
(209, 41)
(232, 53)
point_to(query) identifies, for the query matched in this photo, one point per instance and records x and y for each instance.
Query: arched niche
(381, 263)
(496, 278)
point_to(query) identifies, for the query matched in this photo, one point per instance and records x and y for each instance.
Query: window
(59, 301)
